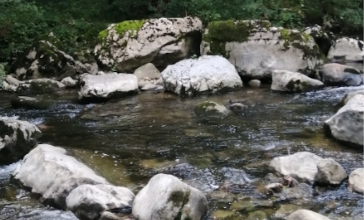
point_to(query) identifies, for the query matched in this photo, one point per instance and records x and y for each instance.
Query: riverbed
(129, 139)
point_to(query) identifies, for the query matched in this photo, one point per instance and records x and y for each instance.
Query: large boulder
(207, 74)
(102, 87)
(256, 49)
(347, 124)
(165, 197)
(44, 60)
(356, 181)
(17, 138)
(147, 74)
(302, 165)
(330, 172)
(65, 182)
(283, 80)
(131, 44)
(350, 48)
(324, 39)
(335, 74)
(304, 214)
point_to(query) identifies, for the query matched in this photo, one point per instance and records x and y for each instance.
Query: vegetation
(73, 25)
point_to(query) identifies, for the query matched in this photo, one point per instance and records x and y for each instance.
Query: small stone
(255, 83)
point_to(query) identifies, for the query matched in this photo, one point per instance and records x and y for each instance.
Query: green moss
(102, 35)
(179, 199)
(132, 26)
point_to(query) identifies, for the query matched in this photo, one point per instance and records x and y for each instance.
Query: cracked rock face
(131, 44)
(166, 197)
(207, 74)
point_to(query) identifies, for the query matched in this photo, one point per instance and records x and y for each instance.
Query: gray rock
(160, 41)
(302, 165)
(166, 197)
(330, 172)
(61, 173)
(350, 48)
(207, 74)
(17, 138)
(89, 201)
(356, 181)
(283, 80)
(44, 60)
(147, 70)
(235, 176)
(304, 214)
(39, 86)
(255, 83)
(335, 74)
(69, 82)
(211, 108)
(255, 52)
(347, 124)
(96, 87)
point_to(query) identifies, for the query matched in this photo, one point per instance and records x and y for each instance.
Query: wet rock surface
(293, 82)
(17, 138)
(335, 74)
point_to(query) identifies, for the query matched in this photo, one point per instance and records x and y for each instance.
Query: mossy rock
(220, 32)
(31, 103)
(122, 28)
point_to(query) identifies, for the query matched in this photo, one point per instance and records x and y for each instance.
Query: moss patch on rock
(132, 26)
(220, 32)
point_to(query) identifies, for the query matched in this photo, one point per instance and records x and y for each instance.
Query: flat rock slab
(103, 87)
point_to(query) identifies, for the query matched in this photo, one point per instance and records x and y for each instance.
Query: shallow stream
(128, 140)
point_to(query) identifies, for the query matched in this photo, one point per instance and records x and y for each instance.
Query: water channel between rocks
(126, 140)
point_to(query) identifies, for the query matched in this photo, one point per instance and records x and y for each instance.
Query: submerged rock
(335, 74)
(350, 48)
(211, 108)
(131, 44)
(304, 214)
(103, 87)
(66, 182)
(347, 124)
(30, 102)
(256, 49)
(283, 80)
(44, 60)
(207, 74)
(356, 181)
(17, 138)
(302, 165)
(165, 197)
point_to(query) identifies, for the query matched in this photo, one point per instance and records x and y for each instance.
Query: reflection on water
(125, 139)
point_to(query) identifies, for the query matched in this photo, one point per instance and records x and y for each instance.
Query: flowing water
(128, 140)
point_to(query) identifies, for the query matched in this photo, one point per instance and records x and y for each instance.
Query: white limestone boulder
(165, 197)
(67, 183)
(304, 214)
(347, 124)
(283, 80)
(131, 44)
(356, 181)
(335, 74)
(350, 48)
(330, 172)
(207, 74)
(302, 165)
(17, 138)
(256, 49)
(102, 87)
